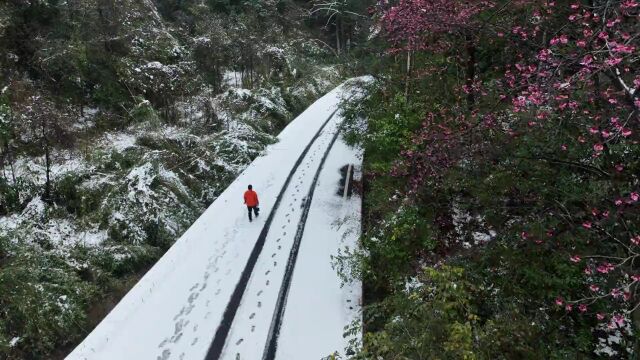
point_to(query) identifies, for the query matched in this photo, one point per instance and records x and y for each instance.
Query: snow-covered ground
(318, 307)
(174, 311)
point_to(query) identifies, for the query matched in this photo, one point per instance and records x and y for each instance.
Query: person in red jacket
(251, 200)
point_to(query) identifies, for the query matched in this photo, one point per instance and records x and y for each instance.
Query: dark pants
(255, 210)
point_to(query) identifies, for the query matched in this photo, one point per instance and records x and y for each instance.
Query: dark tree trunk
(47, 158)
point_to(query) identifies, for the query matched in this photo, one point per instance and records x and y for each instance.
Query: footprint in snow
(195, 341)
(179, 314)
(239, 341)
(274, 254)
(275, 263)
(252, 315)
(253, 328)
(165, 355)
(176, 338)
(259, 304)
(279, 247)
(267, 282)
(194, 286)
(268, 272)
(284, 233)
(193, 297)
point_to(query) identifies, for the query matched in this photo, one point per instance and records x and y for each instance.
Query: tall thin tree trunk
(408, 78)
(13, 171)
(471, 71)
(47, 159)
(338, 36)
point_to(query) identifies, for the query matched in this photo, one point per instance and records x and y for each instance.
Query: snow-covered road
(221, 290)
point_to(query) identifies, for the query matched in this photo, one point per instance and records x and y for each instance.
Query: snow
(318, 307)
(35, 209)
(119, 141)
(92, 237)
(174, 310)
(232, 79)
(250, 329)
(14, 341)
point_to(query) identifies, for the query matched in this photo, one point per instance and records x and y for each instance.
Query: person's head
(250, 187)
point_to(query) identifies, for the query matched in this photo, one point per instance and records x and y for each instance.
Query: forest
(501, 190)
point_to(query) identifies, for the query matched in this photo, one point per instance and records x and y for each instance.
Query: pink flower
(559, 301)
(563, 147)
(575, 259)
(568, 307)
(619, 167)
(618, 202)
(588, 271)
(600, 316)
(635, 277)
(594, 288)
(586, 224)
(594, 130)
(618, 319)
(604, 268)
(634, 196)
(595, 212)
(598, 147)
(615, 293)
(624, 49)
(582, 308)
(635, 240)
(605, 214)
(587, 60)
(626, 295)
(613, 61)
(626, 132)
(524, 235)
(605, 134)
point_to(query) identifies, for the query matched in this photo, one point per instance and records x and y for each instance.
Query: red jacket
(251, 198)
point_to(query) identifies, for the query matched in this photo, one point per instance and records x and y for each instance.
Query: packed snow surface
(175, 309)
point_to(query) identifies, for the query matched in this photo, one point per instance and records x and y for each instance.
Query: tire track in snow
(220, 337)
(276, 322)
